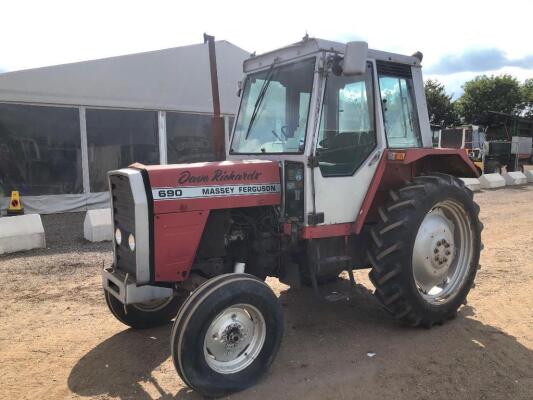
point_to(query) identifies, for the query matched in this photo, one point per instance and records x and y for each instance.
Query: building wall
(63, 127)
(58, 156)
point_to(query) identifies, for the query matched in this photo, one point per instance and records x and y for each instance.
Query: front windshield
(274, 110)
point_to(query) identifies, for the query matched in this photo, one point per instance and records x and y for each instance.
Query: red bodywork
(184, 194)
(393, 172)
(190, 192)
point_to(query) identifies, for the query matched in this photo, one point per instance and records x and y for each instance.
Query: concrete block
(529, 175)
(515, 178)
(491, 181)
(472, 184)
(22, 232)
(97, 226)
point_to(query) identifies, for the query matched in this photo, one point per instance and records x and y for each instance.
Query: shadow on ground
(325, 355)
(116, 366)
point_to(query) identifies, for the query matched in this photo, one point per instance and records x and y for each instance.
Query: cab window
(398, 104)
(347, 134)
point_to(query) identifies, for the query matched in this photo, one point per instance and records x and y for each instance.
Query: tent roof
(171, 79)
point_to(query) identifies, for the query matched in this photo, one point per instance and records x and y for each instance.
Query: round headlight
(118, 236)
(131, 242)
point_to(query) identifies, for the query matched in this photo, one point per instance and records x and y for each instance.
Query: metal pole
(218, 121)
(162, 136)
(84, 152)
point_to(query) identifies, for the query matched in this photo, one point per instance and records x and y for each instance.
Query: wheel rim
(443, 251)
(234, 339)
(153, 305)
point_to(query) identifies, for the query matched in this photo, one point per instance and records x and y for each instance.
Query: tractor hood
(213, 185)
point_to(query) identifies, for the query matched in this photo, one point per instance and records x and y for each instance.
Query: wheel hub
(442, 252)
(434, 250)
(234, 339)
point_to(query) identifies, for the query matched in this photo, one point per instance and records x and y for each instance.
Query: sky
(459, 39)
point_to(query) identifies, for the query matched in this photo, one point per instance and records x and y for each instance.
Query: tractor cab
(330, 111)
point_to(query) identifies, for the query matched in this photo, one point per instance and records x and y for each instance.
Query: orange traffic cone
(15, 205)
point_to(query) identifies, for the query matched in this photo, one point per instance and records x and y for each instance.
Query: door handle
(374, 158)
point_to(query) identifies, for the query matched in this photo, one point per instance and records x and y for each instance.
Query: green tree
(489, 93)
(525, 109)
(440, 106)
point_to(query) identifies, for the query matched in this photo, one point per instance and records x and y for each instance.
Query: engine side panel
(177, 236)
(184, 194)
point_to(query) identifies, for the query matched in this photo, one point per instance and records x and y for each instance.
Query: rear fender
(399, 166)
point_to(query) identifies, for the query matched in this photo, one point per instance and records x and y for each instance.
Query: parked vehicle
(330, 168)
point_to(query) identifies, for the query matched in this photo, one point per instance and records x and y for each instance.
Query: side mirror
(355, 55)
(239, 88)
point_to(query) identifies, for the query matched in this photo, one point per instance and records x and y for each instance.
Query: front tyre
(226, 334)
(426, 249)
(145, 315)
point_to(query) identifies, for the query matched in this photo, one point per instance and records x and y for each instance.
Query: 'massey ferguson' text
(214, 191)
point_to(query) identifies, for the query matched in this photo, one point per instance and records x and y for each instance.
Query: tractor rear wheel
(145, 315)
(226, 334)
(425, 250)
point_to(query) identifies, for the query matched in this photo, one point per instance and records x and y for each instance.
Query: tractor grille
(123, 219)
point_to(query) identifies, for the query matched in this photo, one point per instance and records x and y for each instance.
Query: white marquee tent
(63, 127)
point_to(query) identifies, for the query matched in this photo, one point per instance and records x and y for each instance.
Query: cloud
(478, 60)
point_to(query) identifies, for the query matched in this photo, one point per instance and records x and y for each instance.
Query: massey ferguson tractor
(330, 168)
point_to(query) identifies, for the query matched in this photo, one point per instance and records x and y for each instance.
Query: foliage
(501, 93)
(440, 107)
(525, 108)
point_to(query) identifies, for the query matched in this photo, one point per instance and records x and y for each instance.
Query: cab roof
(309, 46)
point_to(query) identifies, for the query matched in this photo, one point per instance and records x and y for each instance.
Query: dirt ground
(58, 340)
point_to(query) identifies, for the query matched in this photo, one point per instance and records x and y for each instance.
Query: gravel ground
(58, 340)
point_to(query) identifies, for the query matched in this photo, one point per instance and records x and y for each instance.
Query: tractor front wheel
(426, 249)
(145, 315)
(226, 334)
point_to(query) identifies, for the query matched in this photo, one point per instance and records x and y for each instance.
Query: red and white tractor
(330, 168)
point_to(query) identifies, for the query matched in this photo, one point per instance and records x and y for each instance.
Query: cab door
(348, 147)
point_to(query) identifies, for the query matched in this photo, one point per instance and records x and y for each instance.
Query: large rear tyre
(145, 315)
(426, 248)
(226, 334)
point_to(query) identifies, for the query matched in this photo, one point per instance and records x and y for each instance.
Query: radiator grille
(124, 219)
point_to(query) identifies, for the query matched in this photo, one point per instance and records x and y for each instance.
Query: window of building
(118, 138)
(40, 150)
(189, 138)
(399, 106)
(347, 135)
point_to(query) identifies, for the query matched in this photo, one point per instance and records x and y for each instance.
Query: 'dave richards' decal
(192, 192)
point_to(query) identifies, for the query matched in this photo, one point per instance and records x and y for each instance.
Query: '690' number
(170, 193)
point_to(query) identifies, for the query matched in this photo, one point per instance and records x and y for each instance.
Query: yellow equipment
(15, 205)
